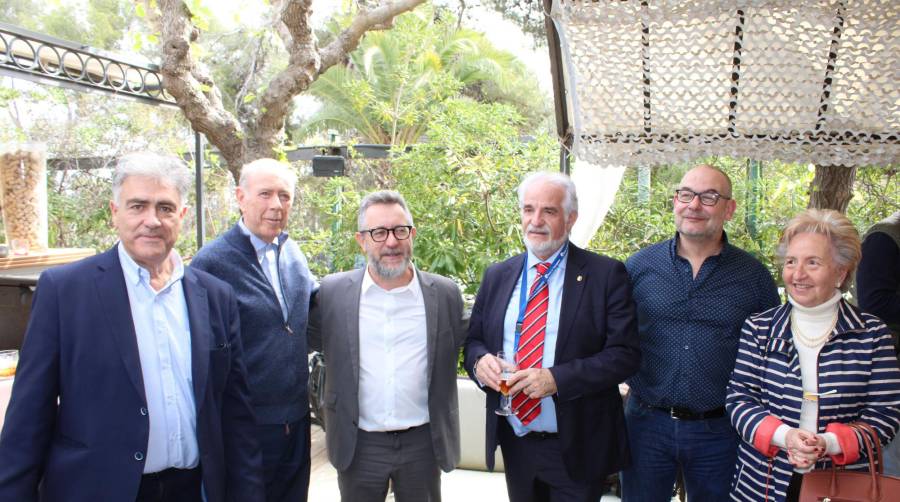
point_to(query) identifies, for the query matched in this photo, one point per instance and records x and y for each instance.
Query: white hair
(281, 169)
(570, 201)
(166, 169)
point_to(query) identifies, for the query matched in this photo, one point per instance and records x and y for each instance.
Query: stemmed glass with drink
(507, 368)
(9, 359)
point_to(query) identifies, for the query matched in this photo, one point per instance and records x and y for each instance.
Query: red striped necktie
(531, 342)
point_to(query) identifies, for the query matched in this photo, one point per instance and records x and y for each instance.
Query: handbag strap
(868, 432)
(869, 436)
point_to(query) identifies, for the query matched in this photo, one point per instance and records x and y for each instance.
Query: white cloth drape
(596, 187)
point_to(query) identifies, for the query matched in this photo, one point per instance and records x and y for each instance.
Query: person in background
(567, 316)
(878, 293)
(807, 369)
(273, 284)
(692, 293)
(131, 382)
(390, 334)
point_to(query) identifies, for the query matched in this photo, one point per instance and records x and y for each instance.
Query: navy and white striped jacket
(857, 362)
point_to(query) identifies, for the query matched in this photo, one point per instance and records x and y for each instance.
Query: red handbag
(839, 485)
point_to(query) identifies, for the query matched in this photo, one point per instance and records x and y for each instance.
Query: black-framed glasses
(380, 234)
(710, 198)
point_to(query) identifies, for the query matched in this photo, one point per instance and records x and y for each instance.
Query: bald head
(268, 166)
(711, 173)
(698, 221)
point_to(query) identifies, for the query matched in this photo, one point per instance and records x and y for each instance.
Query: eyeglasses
(685, 196)
(380, 234)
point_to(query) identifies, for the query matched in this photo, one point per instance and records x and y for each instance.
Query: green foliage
(324, 222)
(78, 210)
(460, 189)
(102, 25)
(76, 125)
(630, 226)
(397, 79)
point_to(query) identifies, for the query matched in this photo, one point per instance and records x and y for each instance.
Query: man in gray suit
(390, 334)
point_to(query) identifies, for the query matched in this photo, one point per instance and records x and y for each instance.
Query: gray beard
(389, 272)
(546, 247)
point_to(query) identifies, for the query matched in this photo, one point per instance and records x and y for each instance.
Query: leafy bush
(460, 188)
(783, 192)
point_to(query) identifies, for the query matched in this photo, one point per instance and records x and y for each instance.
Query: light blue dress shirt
(267, 254)
(164, 345)
(546, 420)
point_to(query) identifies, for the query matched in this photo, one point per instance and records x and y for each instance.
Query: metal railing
(49, 60)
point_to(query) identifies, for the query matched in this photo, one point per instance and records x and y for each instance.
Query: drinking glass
(9, 359)
(19, 247)
(507, 368)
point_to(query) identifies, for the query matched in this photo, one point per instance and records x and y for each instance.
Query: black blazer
(81, 348)
(596, 349)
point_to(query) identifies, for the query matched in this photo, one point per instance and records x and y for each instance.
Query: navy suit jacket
(596, 349)
(81, 349)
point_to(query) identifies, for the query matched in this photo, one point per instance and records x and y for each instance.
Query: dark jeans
(171, 485)
(706, 451)
(285, 455)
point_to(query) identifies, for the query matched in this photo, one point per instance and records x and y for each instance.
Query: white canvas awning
(655, 82)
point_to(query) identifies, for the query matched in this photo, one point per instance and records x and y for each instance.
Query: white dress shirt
(546, 420)
(164, 345)
(393, 357)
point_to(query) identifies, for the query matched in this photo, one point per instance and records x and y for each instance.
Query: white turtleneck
(812, 322)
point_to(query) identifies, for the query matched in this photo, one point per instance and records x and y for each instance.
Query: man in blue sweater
(273, 284)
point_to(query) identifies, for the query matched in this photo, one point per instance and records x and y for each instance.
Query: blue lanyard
(542, 279)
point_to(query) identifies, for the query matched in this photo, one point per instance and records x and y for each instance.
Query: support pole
(644, 185)
(563, 132)
(753, 197)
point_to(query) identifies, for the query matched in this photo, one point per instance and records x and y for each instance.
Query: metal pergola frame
(560, 106)
(47, 60)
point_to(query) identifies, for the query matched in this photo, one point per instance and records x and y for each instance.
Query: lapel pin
(578, 278)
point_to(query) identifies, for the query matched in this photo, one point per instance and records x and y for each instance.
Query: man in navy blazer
(567, 433)
(130, 384)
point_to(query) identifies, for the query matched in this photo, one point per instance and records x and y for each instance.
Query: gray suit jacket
(334, 330)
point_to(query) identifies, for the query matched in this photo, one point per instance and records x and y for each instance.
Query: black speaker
(328, 165)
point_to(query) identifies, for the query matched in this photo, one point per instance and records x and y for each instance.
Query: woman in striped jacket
(808, 368)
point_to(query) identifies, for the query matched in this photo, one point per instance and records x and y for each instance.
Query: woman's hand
(803, 448)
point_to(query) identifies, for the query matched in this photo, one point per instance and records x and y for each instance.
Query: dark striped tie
(531, 343)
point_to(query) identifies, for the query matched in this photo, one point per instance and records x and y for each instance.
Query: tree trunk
(195, 92)
(832, 188)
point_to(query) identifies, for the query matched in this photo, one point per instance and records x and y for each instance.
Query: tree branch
(280, 28)
(200, 100)
(193, 88)
(379, 18)
(258, 57)
(306, 62)
(302, 70)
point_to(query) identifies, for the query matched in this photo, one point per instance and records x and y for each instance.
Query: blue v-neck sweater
(276, 356)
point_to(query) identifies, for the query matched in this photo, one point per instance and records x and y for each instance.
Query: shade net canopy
(660, 82)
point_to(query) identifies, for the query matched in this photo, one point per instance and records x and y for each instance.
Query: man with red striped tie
(566, 317)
